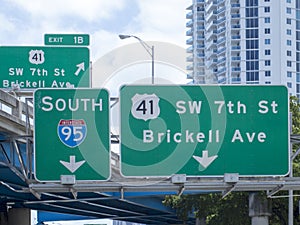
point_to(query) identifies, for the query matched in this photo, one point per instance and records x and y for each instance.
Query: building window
(268, 52)
(288, 10)
(289, 42)
(268, 82)
(298, 78)
(267, 62)
(268, 73)
(267, 0)
(289, 74)
(252, 76)
(267, 41)
(288, 21)
(289, 63)
(252, 65)
(251, 12)
(267, 20)
(289, 84)
(251, 33)
(289, 53)
(252, 44)
(289, 32)
(288, 1)
(267, 31)
(251, 23)
(253, 54)
(267, 9)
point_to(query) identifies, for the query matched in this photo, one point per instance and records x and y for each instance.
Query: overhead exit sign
(32, 67)
(67, 39)
(204, 130)
(72, 134)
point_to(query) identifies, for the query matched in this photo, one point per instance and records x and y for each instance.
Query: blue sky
(24, 22)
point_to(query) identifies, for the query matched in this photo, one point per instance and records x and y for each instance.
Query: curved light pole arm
(148, 48)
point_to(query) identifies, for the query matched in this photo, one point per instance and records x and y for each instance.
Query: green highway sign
(42, 67)
(204, 130)
(67, 39)
(71, 134)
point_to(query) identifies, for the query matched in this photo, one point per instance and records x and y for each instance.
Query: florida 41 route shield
(204, 130)
(72, 134)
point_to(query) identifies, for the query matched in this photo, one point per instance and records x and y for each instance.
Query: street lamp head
(124, 36)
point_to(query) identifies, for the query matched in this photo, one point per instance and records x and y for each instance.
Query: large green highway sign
(204, 130)
(40, 67)
(71, 134)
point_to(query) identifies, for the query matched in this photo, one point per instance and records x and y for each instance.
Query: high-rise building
(244, 42)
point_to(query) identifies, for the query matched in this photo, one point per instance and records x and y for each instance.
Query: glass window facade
(252, 42)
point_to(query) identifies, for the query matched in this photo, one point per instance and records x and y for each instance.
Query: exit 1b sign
(204, 130)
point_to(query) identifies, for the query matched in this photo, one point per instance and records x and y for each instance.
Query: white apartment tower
(244, 42)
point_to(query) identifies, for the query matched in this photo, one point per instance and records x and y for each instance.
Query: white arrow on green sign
(72, 135)
(44, 67)
(204, 130)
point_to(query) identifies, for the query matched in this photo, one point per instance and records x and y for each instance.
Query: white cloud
(88, 10)
(161, 20)
(6, 24)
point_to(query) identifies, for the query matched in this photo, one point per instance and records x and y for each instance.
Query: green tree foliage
(234, 209)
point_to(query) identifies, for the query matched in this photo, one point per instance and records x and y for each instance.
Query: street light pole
(148, 48)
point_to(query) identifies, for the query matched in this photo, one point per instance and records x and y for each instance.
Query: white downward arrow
(80, 67)
(205, 160)
(72, 165)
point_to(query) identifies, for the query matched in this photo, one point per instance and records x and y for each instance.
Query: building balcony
(200, 28)
(236, 5)
(235, 47)
(200, 46)
(190, 58)
(190, 75)
(235, 37)
(189, 41)
(201, 55)
(200, 74)
(221, 80)
(222, 60)
(235, 16)
(190, 67)
(235, 80)
(221, 10)
(220, 50)
(222, 29)
(189, 15)
(190, 32)
(209, 16)
(200, 37)
(190, 49)
(200, 64)
(190, 23)
(219, 41)
(221, 20)
(235, 26)
(236, 69)
(236, 58)
(221, 70)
